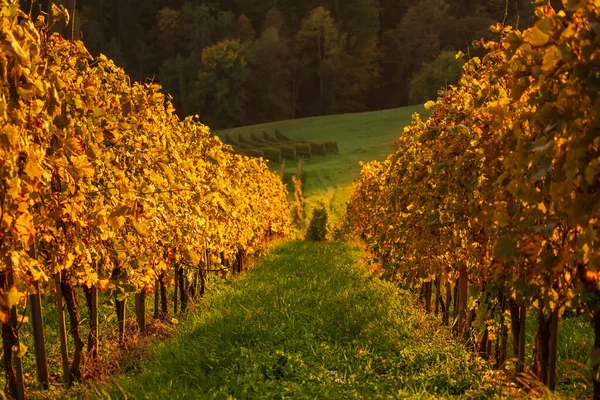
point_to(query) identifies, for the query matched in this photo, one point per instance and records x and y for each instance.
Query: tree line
(237, 62)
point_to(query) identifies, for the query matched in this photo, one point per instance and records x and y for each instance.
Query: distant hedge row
(276, 146)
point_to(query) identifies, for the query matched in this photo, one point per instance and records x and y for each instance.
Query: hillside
(361, 137)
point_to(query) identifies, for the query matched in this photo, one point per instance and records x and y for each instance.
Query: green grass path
(308, 321)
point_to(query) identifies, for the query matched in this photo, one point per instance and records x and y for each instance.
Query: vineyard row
(495, 198)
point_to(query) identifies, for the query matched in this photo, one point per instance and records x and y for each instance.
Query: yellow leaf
(20, 351)
(116, 222)
(12, 297)
(83, 167)
(536, 37)
(33, 169)
(24, 226)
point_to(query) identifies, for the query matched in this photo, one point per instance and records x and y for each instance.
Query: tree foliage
(374, 47)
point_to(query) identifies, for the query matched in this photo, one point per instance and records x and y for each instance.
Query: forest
(241, 62)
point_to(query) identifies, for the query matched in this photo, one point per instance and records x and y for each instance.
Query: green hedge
(254, 153)
(245, 141)
(318, 149)
(288, 152)
(281, 137)
(332, 148)
(303, 150)
(272, 154)
(268, 138)
(258, 140)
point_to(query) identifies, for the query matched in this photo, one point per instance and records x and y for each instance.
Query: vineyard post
(456, 299)
(94, 321)
(156, 298)
(37, 323)
(446, 316)
(15, 327)
(553, 349)
(202, 281)
(176, 287)
(596, 364)
(502, 341)
(140, 310)
(428, 297)
(438, 295)
(521, 346)
(164, 301)
(182, 289)
(463, 293)
(10, 339)
(62, 329)
(120, 309)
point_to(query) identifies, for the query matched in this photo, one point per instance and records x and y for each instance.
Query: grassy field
(309, 321)
(361, 137)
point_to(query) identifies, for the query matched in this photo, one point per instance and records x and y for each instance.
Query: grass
(361, 137)
(309, 321)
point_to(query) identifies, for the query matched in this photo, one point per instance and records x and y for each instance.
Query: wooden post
(120, 309)
(463, 294)
(156, 298)
(553, 350)
(456, 299)
(164, 301)
(502, 342)
(37, 324)
(182, 289)
(140, 310)
(438, 295)
(13, 364)
(522, 323)
(448, 301)
(62, 330)
(15, 325)
(176, 286)
(94, 321)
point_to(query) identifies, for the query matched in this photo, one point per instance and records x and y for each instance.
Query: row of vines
(495, 198)
(104, 188)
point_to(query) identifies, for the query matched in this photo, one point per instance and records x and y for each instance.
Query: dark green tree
(221, 83)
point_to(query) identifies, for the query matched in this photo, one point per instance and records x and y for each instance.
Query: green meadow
(360, 137)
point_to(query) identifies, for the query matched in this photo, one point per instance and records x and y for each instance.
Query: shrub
(317, 227)
(317, 149)
(272, 154)
(254, 153)
(303, 150)
(331, 148)
(288, 152)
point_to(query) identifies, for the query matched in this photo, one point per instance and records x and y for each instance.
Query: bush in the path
(317, 228)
